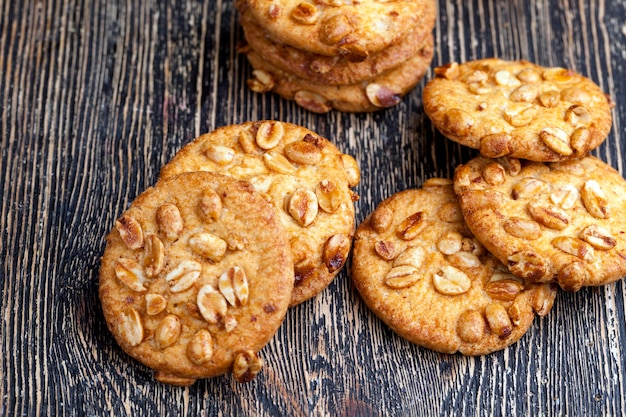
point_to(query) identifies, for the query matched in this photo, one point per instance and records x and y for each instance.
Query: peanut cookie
(563, 222)
(196, 278)
(382, 91)
(339, 28)
(419, 268)
(334, 70)
(518, 109)
(303, 175)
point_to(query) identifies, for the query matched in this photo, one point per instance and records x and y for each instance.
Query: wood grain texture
(96, 95)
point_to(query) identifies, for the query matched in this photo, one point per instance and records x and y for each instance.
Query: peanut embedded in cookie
(196, 278)
(518, 109)
(418, 267)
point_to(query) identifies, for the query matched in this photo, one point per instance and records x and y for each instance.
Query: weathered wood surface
(96, 95)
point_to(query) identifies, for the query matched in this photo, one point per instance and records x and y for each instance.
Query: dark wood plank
(95, 96)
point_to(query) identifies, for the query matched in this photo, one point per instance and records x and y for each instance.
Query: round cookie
(418, 267)
(339, 28)
(305, 177)
(382, 91)
(563, 222)
(334, 70)
(196, 278)
(518, 109)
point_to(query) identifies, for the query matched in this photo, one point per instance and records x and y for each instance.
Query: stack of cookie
(460, 266)
(349, 56)
(244, 222)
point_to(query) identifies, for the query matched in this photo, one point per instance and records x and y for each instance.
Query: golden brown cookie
(304, 176)
(338, 28)
(334, 70)
(518, 109)
(382, 91)
(563, 222)
(418, 267)
(196, 278)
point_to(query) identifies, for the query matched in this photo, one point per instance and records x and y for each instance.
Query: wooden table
(95, 96)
